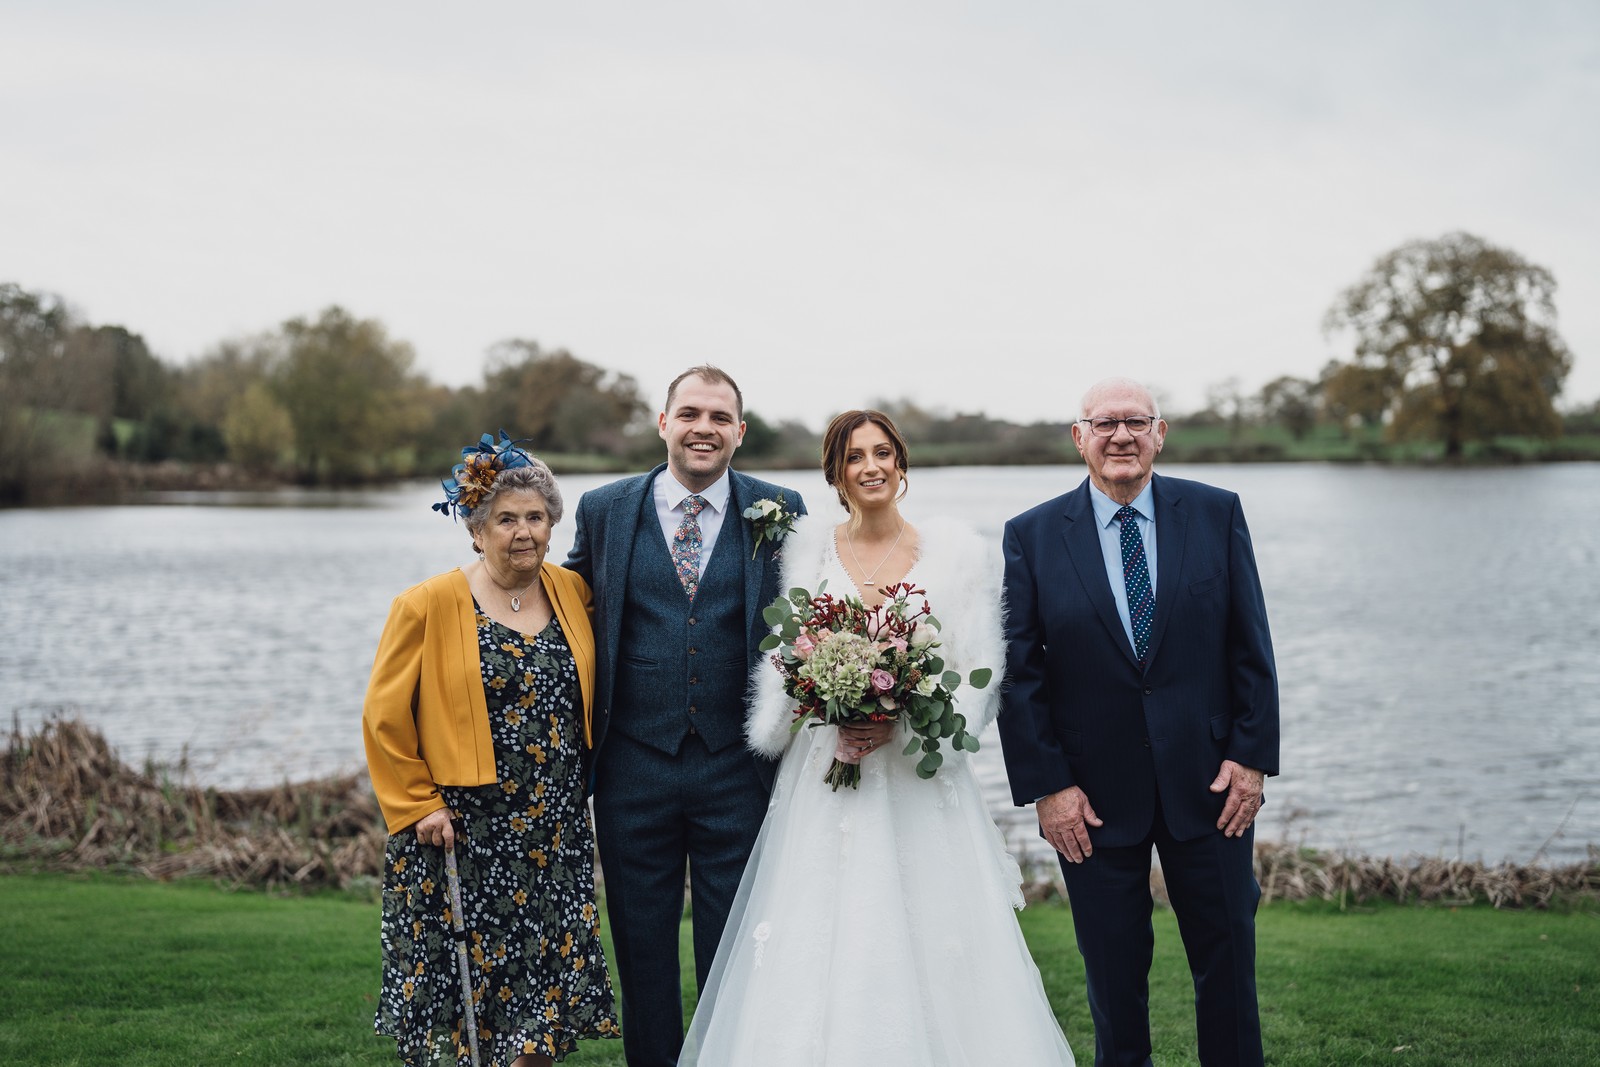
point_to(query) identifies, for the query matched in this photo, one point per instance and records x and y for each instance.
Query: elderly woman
(476, 722)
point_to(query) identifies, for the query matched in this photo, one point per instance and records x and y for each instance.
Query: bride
(875, 925)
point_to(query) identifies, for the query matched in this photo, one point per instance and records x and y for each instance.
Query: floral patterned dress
(525, 852)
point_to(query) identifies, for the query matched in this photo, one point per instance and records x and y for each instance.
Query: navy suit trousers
(1211, 884)
(653, 810)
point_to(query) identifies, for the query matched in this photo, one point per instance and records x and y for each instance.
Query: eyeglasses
(1138, 425)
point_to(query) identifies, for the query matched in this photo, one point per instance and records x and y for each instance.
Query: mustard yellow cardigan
(425, 722)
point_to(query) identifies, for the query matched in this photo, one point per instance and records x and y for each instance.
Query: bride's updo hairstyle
(836, 447)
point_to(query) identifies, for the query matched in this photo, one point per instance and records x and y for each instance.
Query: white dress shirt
(669, 497)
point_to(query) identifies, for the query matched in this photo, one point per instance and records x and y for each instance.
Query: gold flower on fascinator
(472, 479)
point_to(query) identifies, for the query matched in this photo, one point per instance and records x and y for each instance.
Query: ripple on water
(1440, 691)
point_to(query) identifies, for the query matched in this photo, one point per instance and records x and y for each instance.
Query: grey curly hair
(535, 476)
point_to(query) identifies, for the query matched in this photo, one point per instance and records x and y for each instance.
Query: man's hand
(1245, 797)
(1064, 820)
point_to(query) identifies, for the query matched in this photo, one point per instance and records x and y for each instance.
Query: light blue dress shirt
(1110, 530)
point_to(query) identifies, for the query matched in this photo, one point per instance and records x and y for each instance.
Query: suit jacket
(425, 722)
(1080, 711)
(607, 527)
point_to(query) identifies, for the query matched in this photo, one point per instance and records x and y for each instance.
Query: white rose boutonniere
(770, 520)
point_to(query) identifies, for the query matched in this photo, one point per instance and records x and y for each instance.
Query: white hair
(534, 476)
(1108, 385)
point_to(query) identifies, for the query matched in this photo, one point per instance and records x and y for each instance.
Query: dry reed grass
(1288, 871)
(68, 802)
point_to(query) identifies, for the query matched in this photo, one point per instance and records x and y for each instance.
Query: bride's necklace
(870, 578)
(516, 598)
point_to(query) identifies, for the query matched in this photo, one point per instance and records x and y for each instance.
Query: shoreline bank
(69, 803)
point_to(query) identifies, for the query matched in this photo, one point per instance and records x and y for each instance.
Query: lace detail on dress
(762, 932)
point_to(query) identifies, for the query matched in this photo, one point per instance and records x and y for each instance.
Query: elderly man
(1142, 710)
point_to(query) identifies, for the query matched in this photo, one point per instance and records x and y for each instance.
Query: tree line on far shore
(1454, 354)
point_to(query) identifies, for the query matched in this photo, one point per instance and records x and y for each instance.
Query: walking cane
(459, 929)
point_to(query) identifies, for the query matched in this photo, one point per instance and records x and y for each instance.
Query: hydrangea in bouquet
(845, 663)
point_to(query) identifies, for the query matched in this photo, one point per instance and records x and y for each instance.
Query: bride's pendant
(870, 579)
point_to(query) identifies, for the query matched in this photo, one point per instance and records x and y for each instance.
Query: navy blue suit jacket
(602, 549)
(1079, 710)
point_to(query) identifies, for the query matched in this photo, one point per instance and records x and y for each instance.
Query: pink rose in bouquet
(844, 662)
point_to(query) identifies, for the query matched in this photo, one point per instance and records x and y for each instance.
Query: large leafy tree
(33, 332)
(52, 361)
(208, 387)
(1459, 337)
(350, 395)
(1354, 394)
(113, 375)
(557, 402)
(34, 328)
(257, 430)
(1290, 402)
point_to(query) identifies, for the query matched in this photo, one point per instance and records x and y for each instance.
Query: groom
(679, 585)
(1142, 710)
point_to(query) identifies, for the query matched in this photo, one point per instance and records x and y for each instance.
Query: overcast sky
(981, 207)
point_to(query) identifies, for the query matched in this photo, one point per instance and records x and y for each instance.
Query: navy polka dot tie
(1136, 581)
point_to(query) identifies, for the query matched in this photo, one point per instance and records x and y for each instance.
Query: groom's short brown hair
(711, 374)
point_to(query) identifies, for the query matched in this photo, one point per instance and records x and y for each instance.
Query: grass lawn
(1392, 984)
(110, 970)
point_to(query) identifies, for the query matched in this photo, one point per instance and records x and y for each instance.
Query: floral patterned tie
(1136, 580)
(686, 544)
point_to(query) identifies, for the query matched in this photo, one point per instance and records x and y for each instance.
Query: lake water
(1437, 634)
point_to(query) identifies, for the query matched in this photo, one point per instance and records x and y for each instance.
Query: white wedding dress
(875, 926)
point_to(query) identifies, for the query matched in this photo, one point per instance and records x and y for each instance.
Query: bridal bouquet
(844, 663)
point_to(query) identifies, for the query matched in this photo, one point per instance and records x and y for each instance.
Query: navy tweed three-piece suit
(674, 784)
